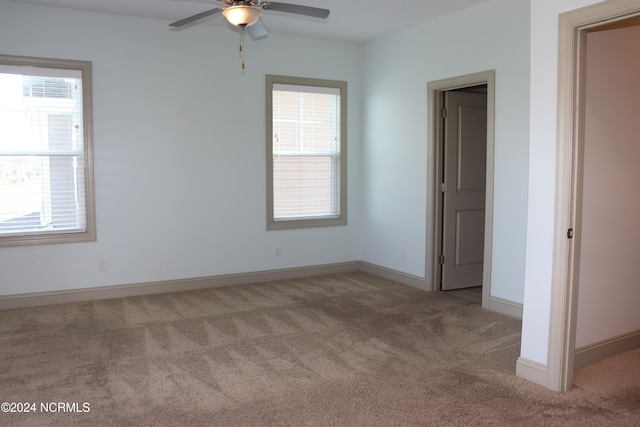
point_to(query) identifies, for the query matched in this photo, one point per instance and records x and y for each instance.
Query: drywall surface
(542, 164)
(395, 190)
(179, 140)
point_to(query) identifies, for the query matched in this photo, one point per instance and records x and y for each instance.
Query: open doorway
(461, 144)
(572, 84)
(462, 207)
(607, 267)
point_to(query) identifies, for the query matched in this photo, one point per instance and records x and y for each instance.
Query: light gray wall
(493, 35)
(179, 145)
(542, 164)
(179, 150)
(609, 289)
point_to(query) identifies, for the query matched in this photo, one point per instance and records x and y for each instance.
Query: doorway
(574, 27)
(462, 208)
(461, 229)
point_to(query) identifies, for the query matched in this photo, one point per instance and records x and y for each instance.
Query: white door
(465, 153)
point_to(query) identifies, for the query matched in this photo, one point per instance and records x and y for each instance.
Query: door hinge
(441, 259)
(443, 187)
(444, 113)
(570, 233)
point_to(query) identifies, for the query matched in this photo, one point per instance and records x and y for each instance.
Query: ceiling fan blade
(257, 30)
(315, 12)
(196, 17)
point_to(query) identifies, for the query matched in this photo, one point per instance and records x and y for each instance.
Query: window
(46, 178)
(306, 156)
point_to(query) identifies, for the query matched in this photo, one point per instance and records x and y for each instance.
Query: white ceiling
(350, 20)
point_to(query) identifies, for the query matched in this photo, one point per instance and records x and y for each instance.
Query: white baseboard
(504, 306)
(149, 288)
(396, 276)
(596, 352)
(532, 371)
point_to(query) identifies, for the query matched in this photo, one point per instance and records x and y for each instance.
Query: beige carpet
(341, 350)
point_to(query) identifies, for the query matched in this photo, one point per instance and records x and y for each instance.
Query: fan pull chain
(242, 47)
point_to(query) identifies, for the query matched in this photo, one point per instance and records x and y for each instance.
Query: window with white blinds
(45, 151)
(306, 155)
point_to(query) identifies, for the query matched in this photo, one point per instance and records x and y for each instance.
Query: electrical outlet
(102, 265)
(403, 252)
(277, 250)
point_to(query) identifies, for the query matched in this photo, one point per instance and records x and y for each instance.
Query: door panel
(472, 146)
(470, 231)
(465, 152)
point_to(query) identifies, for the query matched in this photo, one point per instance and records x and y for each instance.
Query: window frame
(89, 234)
(283, 224)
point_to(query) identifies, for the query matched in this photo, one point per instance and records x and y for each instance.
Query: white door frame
(434, 220)
(570, 137)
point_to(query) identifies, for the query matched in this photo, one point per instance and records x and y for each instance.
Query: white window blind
(306, 150)
(42, 151)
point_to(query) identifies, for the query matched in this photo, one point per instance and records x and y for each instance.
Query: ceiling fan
(246, 14)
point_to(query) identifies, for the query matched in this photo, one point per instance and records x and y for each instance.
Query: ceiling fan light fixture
(242, 15)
